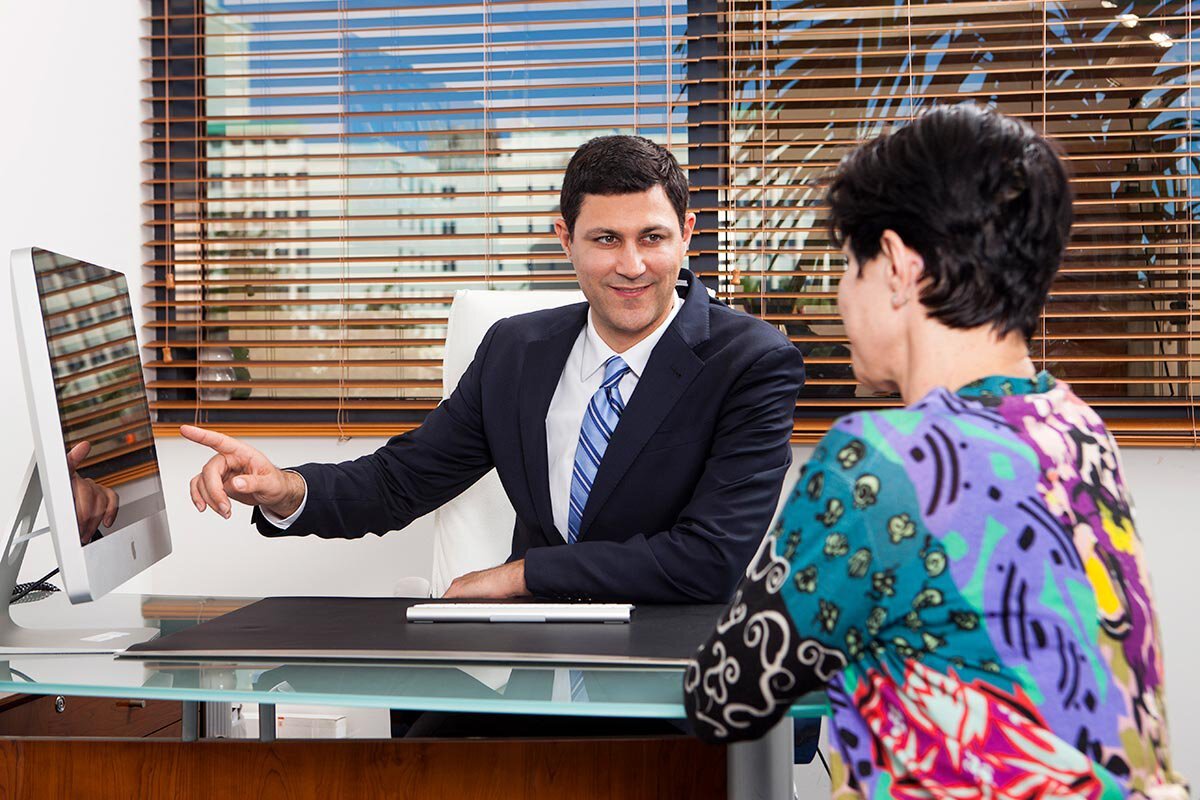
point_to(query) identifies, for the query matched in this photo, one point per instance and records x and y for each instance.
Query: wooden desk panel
(620, 769)
(34, 715)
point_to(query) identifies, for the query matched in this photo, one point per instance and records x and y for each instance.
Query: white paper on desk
(105, 637)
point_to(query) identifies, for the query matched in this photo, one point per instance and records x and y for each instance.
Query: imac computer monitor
(83, 379)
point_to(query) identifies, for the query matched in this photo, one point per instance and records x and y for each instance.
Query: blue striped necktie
(599, 421)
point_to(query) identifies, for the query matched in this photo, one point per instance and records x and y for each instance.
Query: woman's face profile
(874, 328)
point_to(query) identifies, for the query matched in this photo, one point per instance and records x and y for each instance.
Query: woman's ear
(904, 266)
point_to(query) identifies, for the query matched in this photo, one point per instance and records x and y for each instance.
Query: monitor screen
(98, 384)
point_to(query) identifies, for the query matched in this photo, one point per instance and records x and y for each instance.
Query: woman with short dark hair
(962, 576)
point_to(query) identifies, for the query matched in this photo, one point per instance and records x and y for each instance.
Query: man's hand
(95, 505)
(497, 583)
(241, 472)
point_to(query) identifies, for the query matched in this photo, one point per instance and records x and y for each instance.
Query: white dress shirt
(580, 379)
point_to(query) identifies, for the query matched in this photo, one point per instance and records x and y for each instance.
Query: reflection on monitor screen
(99, 388)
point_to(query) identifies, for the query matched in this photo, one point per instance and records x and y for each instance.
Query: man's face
(627, 250)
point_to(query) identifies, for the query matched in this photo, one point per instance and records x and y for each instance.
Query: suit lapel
(544, 363)
(672, 367)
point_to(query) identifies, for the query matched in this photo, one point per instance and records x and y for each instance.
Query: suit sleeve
(408, 477)
(699, 559)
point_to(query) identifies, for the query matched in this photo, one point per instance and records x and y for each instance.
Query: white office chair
(474, 530)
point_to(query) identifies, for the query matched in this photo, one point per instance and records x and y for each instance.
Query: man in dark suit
(642, 437)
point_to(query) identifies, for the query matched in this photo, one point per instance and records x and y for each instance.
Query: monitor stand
(17, 639)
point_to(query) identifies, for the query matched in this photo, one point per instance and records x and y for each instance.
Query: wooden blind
(327, 173)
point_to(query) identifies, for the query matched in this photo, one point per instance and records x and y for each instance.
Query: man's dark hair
(611, 165)
(981, 196)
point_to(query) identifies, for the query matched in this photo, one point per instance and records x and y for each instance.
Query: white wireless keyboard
(520, 612)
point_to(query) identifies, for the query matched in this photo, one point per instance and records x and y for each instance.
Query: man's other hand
(240, 472)
(497, 583)
(95, 505)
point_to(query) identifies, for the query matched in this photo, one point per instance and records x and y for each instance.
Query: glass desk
(753, 769)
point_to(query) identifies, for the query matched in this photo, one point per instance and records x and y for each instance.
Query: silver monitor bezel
(91, 571)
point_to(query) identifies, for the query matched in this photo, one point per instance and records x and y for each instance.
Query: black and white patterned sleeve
(744, 678)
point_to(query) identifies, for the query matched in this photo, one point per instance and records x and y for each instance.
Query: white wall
(215, 556)
(71, 116)
(70, 170)
(1165, 486)
(70, 180)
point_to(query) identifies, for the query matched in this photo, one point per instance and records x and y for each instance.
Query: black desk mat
(375, 629)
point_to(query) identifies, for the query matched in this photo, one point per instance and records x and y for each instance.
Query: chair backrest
(474, 530)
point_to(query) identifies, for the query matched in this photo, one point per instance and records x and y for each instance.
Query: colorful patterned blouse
(964, 578)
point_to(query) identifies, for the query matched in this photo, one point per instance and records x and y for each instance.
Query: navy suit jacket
(687, 486)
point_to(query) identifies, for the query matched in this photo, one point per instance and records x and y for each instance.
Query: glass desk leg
(191, 721)
(762, 769)
(266, 722)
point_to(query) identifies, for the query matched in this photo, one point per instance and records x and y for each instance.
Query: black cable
(823, 764)
(38, 585)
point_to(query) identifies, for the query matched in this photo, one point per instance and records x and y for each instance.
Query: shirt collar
(1005, 386)
(596, 351)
